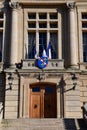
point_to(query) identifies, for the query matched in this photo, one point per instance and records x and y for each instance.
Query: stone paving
(43, 124)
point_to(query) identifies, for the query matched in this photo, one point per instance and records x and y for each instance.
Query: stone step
(32, 122)
(43, 124)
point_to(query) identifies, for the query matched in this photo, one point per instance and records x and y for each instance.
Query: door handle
(35, 106)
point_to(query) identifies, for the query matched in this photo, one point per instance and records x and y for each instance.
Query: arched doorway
(43, 101)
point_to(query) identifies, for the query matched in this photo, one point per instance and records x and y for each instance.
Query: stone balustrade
(52, 64)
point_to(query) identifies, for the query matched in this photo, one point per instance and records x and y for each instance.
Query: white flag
(49, 51)
(35, 53)
(44, 53)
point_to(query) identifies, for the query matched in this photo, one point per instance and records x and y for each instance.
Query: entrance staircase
(43, 124)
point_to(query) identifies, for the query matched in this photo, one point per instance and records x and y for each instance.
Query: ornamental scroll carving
(14, 4)
(71, 5)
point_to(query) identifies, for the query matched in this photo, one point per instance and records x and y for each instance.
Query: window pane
(42, 16)
(84, 25)
(42, 42)
(85, 56)
(1, 15)
(84, 38)
(54, 25)
(31, 45)
(32, 15)
(1, 24)
(42, 25)
(36, 89)
(54, 41)
(85, 46)
(31, 25)
(53, 16)
(84, 15)
(49, 89)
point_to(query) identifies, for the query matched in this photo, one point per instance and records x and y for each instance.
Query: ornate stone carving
(14, 4)
(71, 5)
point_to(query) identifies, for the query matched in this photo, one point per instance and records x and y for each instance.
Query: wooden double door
(43, 100)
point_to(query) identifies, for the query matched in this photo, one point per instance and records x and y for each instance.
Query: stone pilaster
(14, 33)
(72, 34)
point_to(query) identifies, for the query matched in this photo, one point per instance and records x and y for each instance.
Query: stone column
(72, 34)
(14, 33)
(59, 37)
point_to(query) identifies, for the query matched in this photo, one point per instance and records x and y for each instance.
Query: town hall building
(50, 86)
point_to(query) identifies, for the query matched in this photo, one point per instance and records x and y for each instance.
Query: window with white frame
(42, 30)
(84, 35)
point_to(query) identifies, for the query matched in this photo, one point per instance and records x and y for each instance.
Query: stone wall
(72, 99)
(11, 97)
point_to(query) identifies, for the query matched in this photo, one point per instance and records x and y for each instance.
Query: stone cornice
(41, 2)
(49, 2)
(44, 1)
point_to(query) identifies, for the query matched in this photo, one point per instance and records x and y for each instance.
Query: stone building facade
(60, 89)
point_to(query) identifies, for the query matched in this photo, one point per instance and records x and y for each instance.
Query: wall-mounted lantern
(10, 80)
(74, 79)
(41, 76)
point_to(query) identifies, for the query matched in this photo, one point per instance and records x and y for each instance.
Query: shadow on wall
(62, 85)
(2, 94)
(74, 124)
(69, 123)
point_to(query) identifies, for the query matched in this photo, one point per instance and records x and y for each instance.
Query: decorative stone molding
(71, 5)
(14, 5)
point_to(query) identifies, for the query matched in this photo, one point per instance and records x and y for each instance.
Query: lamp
(41, 76)
(74, 79)
(10, 80)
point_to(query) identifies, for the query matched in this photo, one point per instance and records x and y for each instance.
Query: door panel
(49, 106)
(43, 101)
(36, 105)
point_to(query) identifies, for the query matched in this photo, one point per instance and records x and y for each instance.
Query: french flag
(49, 51)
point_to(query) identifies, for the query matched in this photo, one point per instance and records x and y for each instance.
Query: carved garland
(14, 5)
(71, 5)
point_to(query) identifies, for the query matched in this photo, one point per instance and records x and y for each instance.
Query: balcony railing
(52, 64)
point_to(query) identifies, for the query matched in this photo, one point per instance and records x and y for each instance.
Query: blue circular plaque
(42, 62)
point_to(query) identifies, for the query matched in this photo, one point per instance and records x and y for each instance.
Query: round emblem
(42, 62)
